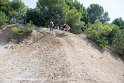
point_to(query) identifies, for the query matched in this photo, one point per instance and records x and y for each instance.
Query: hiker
(63, 27)
(51, 25)
(66, 27)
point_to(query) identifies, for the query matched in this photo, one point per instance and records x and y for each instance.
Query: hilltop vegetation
(93, 20)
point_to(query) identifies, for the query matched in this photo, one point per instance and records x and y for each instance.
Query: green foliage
(17, 5)
(34, 16)
(3, 18)
(69, 3)
(72, 18)
(16, 32)
(111, 35)
(17, 10)
(118, 42)
(59, 11)
(99, 32)
(13, 13)
(119, 22)
(4, 6)
(13, 9)
(30, 25)
(13, 16)
(96, 11)
(52, 9)
(4, 2)
(20, 32)
(78, 6)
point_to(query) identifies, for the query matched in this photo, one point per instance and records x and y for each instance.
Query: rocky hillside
(57, 57)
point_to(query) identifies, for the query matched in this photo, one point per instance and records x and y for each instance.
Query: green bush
(20, 32)
(118, 42)
(99, 32)
(72, 18)
(3, 18)
(77, 28)
(16, 32)
(102, 41)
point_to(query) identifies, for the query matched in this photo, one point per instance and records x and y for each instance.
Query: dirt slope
(58, 58)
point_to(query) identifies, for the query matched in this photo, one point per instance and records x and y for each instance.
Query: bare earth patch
(57, 57)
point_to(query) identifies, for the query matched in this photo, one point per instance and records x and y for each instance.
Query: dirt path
(58, 58)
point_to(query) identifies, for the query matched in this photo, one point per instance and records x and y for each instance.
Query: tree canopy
(53, 9)
(119, 22)
(96, 11)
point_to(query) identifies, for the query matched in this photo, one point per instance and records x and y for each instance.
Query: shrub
(16, 32)
(72, 18)
(118, 42)
(77, 28)
(3, 18)
(20, 32)
(99, 32)
(112, 34)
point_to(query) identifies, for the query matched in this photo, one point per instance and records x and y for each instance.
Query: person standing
(51, 25)
(63, 27)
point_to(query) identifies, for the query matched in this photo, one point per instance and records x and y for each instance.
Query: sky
(115, 8)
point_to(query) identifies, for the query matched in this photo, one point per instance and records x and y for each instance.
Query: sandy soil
(55, 57)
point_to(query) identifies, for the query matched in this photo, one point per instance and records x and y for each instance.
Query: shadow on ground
(44, 35)
(5, 35)
(61, 35)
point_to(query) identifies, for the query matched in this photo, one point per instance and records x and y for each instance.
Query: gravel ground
(58, 57)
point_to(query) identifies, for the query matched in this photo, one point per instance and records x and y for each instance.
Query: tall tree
(34, 16)
(73, 18)
(96, 11)
(17, 10)
(118, 42)
(3, 18)
(17, 5)
(69, 3)
(119, 22)
(4, 6)
(74, 4)
(80, 8)
(53, 9)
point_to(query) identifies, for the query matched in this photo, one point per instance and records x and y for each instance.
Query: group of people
(65, 27)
